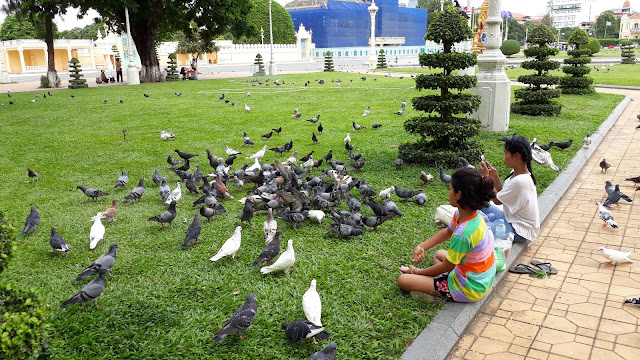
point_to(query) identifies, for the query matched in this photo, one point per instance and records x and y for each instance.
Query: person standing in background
(118, 70)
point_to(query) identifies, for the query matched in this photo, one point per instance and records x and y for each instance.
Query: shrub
(172, 70)
(594, 45)
(628, 54)
(575, 82)
(260, 64)
(537, 98)
(77, 82)
(446, 133)
(44, 81)
(606, 42)
(328, 61)
(510, 47)
(382, 60)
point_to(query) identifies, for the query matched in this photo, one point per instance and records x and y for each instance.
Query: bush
(44, 81)
(258, 61)
(172, 70)
(382, 60)
(575, 82)
(537, 98)
(510, 47)
(594, 45)
(77, 82)
(628, 54)
(328, 61)
(606, 42)
(446, 133)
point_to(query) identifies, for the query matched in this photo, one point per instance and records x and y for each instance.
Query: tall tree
(432, 7)
(612, 30)
(15, 27)
(87, 32)
(516, 31)
(151, 18)
(42, 10)
(548, 21)
(194, 45)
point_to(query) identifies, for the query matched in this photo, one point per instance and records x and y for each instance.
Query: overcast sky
(527, 7)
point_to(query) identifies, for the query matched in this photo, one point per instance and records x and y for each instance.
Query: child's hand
(406, 270)
(418, 255)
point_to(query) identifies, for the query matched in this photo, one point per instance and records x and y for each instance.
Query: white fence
(246, 53)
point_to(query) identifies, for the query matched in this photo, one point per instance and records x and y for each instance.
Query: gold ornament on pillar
(478, 41)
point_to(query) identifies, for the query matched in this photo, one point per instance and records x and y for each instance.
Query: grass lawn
(167, 302)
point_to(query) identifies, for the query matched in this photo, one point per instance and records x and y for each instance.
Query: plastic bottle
(501, 230)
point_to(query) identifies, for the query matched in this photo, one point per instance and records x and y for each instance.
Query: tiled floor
(579, 313)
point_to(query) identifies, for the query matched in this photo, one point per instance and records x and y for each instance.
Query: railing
(35, 68)
(360, 52)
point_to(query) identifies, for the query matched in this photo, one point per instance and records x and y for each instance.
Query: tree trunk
(54, 81)
(144, 35)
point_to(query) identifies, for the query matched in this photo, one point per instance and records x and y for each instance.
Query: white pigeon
(260, 154)
(347, 138)
(230, 247)
(252, 198)
(312, 305)
(253, 168)
(246, 107)
(606, 216)
(316, 215)
(175, 195)
(270, 227)
(366, 112)
(292, 160)
(230, 151)
(386, 193)
(586, 141)
(615, 255)
(97, 231)
(544, 158)
(166, 135)
(284, 262)
(308, 164)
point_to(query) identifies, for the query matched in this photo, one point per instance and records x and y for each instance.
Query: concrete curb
(618, 87)
(437, 340)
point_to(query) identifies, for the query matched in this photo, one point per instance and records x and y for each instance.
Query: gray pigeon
(241, 320)
(102, 265)
(192, 232)
(463, 163)
(89, 292)
(375, 221)
(32, 222)
(156, 178)
(303, 329)
(164, 189)
(604, 165)
(421, 198)
(123, 179)
(398, 162)
(608, 187)
(406, 194)
(91, 192)
(247, 212)
(57, 242)
(392, 208)
(136, 193)
(444, 177)
(167, 216)
(33, 174)
(210, 212)
(270, 251)
(328, 353)
(345, 230)
(615, 196)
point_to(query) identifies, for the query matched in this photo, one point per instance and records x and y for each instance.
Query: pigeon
(102, 265)
(398, 162)
(314, 138)
(241, 320)
(164, 189)
(345, 230)
(399, 113)
(328, 353)
(615, 255)
(221, 97)
(167, 216)
(544, 158)
(210, 212)
(231, 246)
(357, 126)
(303, 329)
(230, 151)
(563, 145)
(247, 213)
(171, 161)
(247, 108)
(403, 104)
(110, 213)
(316, 215)
(270, 250)
(604, 165)
(425, 177)
(57, 242)
(296, 114)
(174, 196)
(222, 188)
(284, 262)
(347, 139)
(177, 94)
(291, 160)
(632, 300)
(376, 126)
(136, 193)
(320, 128)
(166, 135)
(463, 163)
(270, 226)
(192, 232)
(606, 216)
(366, 112)
(386, 193)
(615, 196)
(260, 154)
(33, 174)
(91, 192)
(586, 141)
(608, 187)
(247, 140)
(278, 130)
(312, 305)
(348, 146)
(156, 178)
(635, 180)
(375, 221)
(89, 292)
(392, 208)
(32, 222)
(145, 95)
(307, 157)
(184, 155)
(314, 120)
(421, 198)
(97, 231)
(444, 177)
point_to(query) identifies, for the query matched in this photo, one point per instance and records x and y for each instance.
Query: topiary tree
(576, 82)
(328, 61)
(628, 54)
(445, 131)
(78, 82)
(537, 98)
(510, 47)
(593, 45)
(258, 62)
(172, 70)
(382, 60)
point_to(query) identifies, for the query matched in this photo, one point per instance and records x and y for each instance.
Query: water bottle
(501, 230)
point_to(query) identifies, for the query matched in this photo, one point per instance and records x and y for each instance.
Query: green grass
(168, 302)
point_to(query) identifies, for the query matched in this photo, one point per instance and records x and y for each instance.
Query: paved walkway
(579, 313)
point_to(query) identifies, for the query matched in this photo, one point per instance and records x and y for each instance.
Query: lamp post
(373, 9)
(272, 65)
(132, 72)
(262, 35)
(441, 5)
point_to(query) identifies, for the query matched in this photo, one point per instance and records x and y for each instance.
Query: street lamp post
(373, 9)
(132, 72)
(272, 65)
(441, 5)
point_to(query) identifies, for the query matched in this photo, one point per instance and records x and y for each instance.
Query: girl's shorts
(441, 285)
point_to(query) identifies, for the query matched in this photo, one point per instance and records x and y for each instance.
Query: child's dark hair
(477, 190)
(520, 145)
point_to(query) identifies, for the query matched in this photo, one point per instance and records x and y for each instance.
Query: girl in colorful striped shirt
(466, 271)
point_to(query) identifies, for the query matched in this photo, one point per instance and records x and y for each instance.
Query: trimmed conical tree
(628, 54)
(172, 70)
(576, 82)
(328, 61)
(537, 98)
(446, 132)
(77, 81)
(382, 60)
(258, 61)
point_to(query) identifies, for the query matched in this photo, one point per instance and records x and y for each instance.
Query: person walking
(118, 70)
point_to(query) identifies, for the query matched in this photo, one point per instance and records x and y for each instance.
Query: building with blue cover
(346, 23)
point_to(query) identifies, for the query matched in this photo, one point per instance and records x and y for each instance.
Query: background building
(570, 13)
(630, 26)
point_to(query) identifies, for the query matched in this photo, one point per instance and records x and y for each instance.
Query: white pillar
(373, 9)
(133, 78)
(93, 55)
(272, 65)
(4, 74)
(493, 83)
(21, 54)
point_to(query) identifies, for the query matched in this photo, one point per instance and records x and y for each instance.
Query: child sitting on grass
(466, 271)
